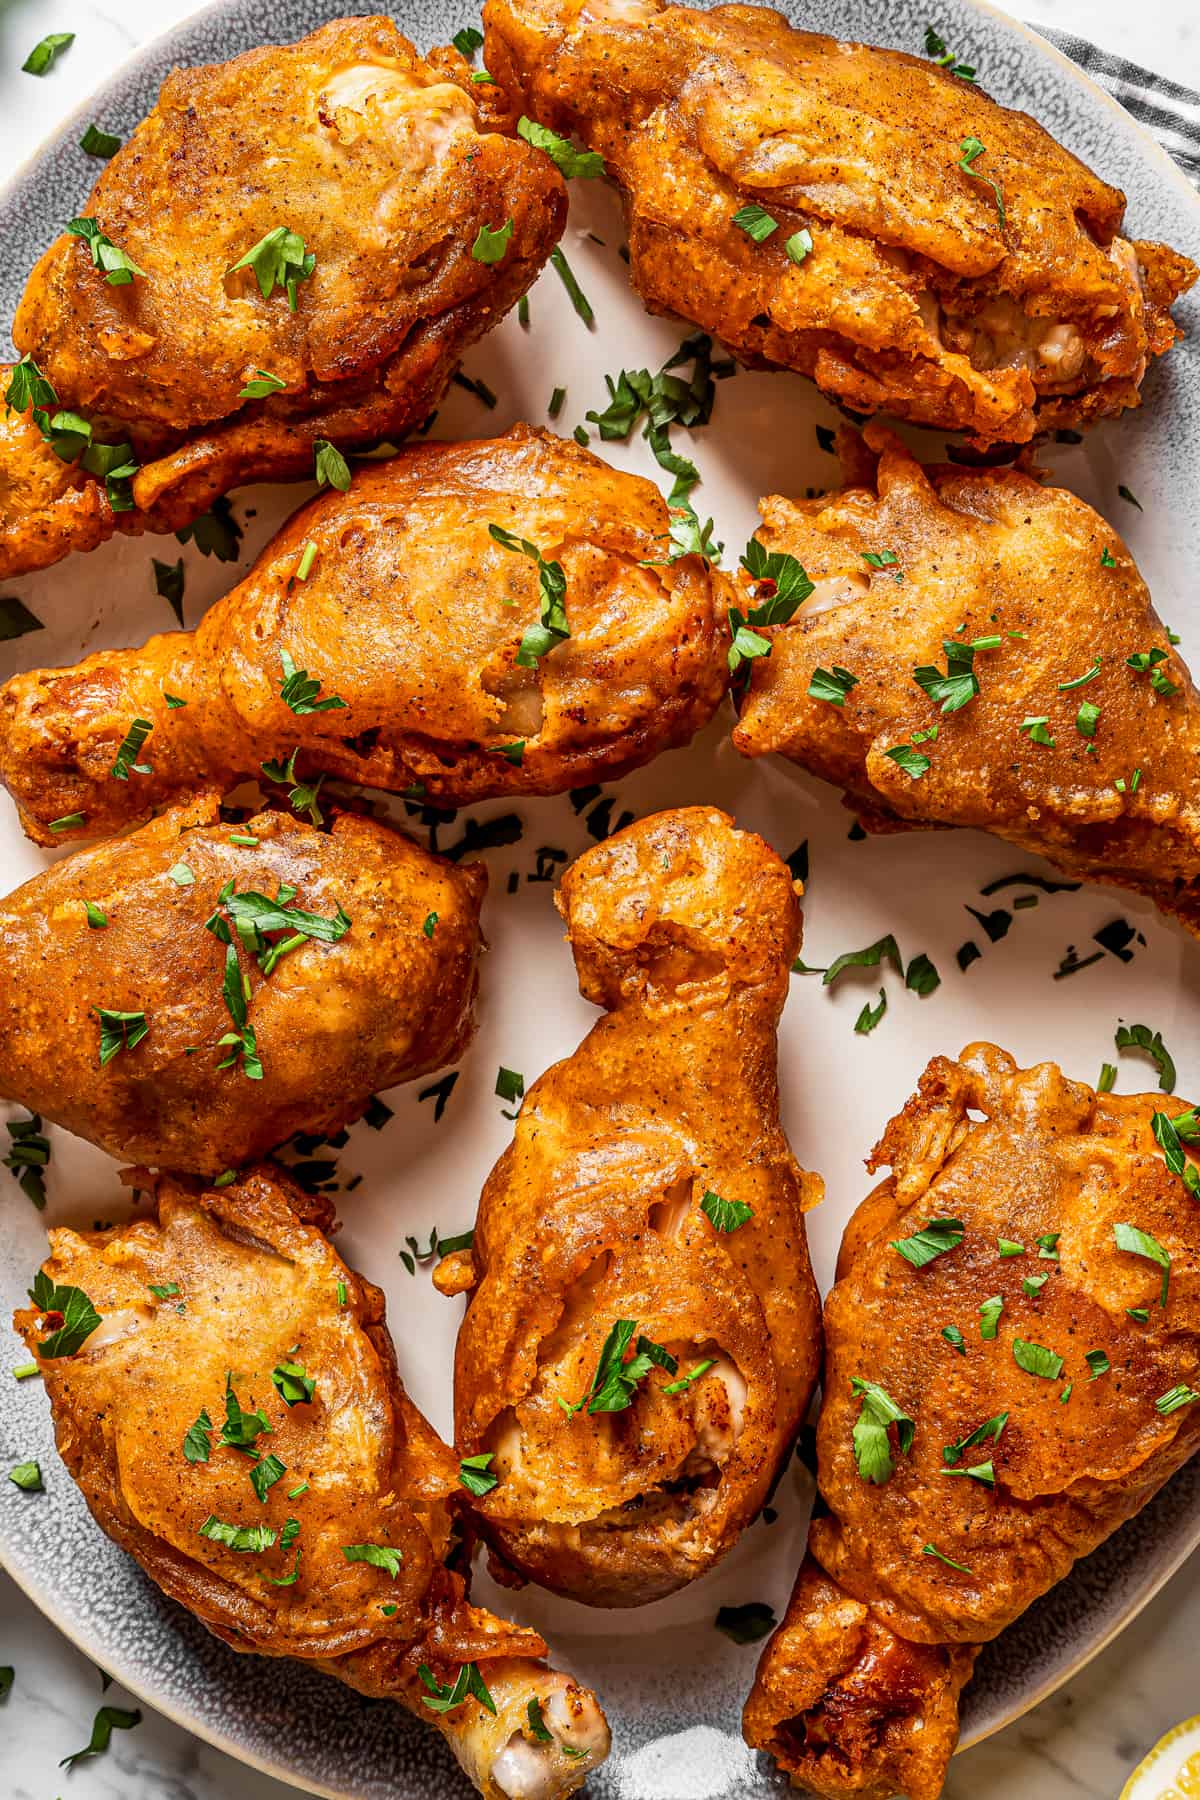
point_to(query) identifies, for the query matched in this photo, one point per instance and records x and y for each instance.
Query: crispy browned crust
(413, 615)
(915, 297)
(334, 1023)
(684, 930)
(857, 1692)
(985, 552)
(388, 181)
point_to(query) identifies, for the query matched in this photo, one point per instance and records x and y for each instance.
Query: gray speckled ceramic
(673, 1686)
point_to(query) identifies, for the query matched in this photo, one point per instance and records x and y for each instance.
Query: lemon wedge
(1172, 1769)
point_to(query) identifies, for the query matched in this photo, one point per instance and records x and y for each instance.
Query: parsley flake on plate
(1140, 1037)
(930, 1241)
(746, 1624)
(989, 1431)
(755, 222)
(96, 142)
(130, 748)
(552, 627)
(475, 1474)
(955, 1339)
(725, 1215)
(278, 260)
(872, 1444)
(106, 1721)
(989, 1315)
(119, 267)
(293, 1384)
(197, 1441)
(299, 691)
(570, 162)
(330, 466)
(1140, 1243)
(249, 1539)
(27, 1476)
(1036, 1359)
(971, 150)
(831, 684)
(616, 1380)
(119, 1031)
(468, 1682)
(44, 53)
(28, 1157)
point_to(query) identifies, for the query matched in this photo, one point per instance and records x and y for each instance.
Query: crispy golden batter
(857, 1692)
(382, 164)
(331, 1023)
(982, 553)
(48, 507)
(218, 1291)
(684, 931)
(413, 615)
(915, 296)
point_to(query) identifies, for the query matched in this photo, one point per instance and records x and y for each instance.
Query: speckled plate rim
(1165, 170)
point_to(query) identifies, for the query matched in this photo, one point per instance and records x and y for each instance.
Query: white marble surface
(1081, 1744)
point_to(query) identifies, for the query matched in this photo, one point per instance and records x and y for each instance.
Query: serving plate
(672, 1684)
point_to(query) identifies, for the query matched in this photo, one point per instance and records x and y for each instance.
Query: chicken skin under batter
(649, 1181)
(235, 1299)
(412, 615)
(990, 293)
(157, 928)
(385, 171)
(1082, 737)
(970, 1476)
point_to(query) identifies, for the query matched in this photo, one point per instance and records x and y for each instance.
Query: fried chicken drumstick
(981, 651)
(224, 312)
(316, 1522)
(642, 1338)
(410, 606)
(145, 981)
(1012, 1353)
(818, 206)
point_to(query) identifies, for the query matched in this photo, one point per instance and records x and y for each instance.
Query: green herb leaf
(831, 684)
(552, 627)
(1064, 687)
(331, 466)
(1087, 719)
(380, 1556)
(755, 222)
(119, 1031)
(468, 1682)
(922, 977)
(931, 1240)
(27, 1476)
(872, 1445)
(16, 620)
(870, 1015)
(981, 1472)
(989, 1315)
(28, 1157)
(475, 1474)
(537, 1725)
(569, 161)
(260, 385)
(1098, 1363)
(685, 1381)
(932, 1550)
(467, 41)
(575, 293)
(1170, 1135)
(265, 1474)
(1035, 1359)
(1174, 1398)
(989, 1431)
(490, 245)
(1140, 1243)
(252, 1539)
(799, 245)
(197, 1442)
(293, 1384)
(1037, 731)
(914, 763)
(725, 1215)
(1009, 1247)
(99, 143)
(299, 691)
(616, 1380)
(119, 268)
(971, 149)
(1140, 1037)
(41, 58)
(215, 533)
(278, 260)
(106, 1721)
(129, 749)
(884, 949)
(954, 1338)
(746, 1624)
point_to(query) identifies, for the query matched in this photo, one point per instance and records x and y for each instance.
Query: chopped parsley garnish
(1087, 719)
(872, 1445)
(954, 1338)
(261, 383)
(292, 1383)
(99, 143)
(745, 1624)
(380, 1556)
(510, 1084)
(1171, 1135)
(725, 1215)
(1140, 1037)
(831, 684)
(870, 1015)
(575, 293)
(135, 737)
(41, 58)
(299, 691)
(755, 222)
(169, 584)
(1145, 662)
(1032, 1285)
(989, 1315)
(164, 1290)
(248, 1538)
(1098, 1363)
(1035, 1359)
(1108, 1077)
(881, 559)
(119, 1031)
(1009, 1247)
(989, 1431)
(235, 989)
(197, 1441)
(781, 585)
(301, 794)
(552, 627)
(883, 949)
(181, 875)
(467, 41)
(616, 1380)
(685, 1381)
(1107, 559)
(215, 533)
(16, 619)
(330, 466)
(1174, 1398)
(930, 1241)
(932, 1550)
(799, 245)
(1037, 730)
(27, 1476)
(946, 59)
(537, 1725)
(666, 399)
(1126, 495)
(119, 268)
(922, 977)
(28, 1156)
(430, 925)
(914, 763)
(1064, 687)
(278, 260)
(475, 1474)
(106, 1721)
(490, 245)
(468, 1681)
(1140, 1243)
(960, 684)
(971, 149)
(569, 161)
(439, 1092)
(241, 1429)
(982, 1472)
(265, 1474)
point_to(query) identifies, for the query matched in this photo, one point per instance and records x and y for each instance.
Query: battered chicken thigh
(980, 650)
(642, 1339)
(859, 215)
(262, 301)
(193, 994)
(1011, 1367)
(398, 601)
(317, 1520)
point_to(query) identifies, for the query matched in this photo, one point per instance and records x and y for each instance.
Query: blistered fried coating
(331, 1023)
(895, 276)
(48, 507)
(684, 930)
(910, 1570)
(412, 615)
(383, 163)
(219, 1290)
(985, 554)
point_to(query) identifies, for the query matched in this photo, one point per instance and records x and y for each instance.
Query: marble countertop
(1083, 1742)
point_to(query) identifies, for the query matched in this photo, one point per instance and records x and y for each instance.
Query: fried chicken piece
(990, 293)
(337, 991)
(383, 165)
(412, 615)
(964, 1476)
(236, 1297)
(619, 1481)
(1062, 625)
